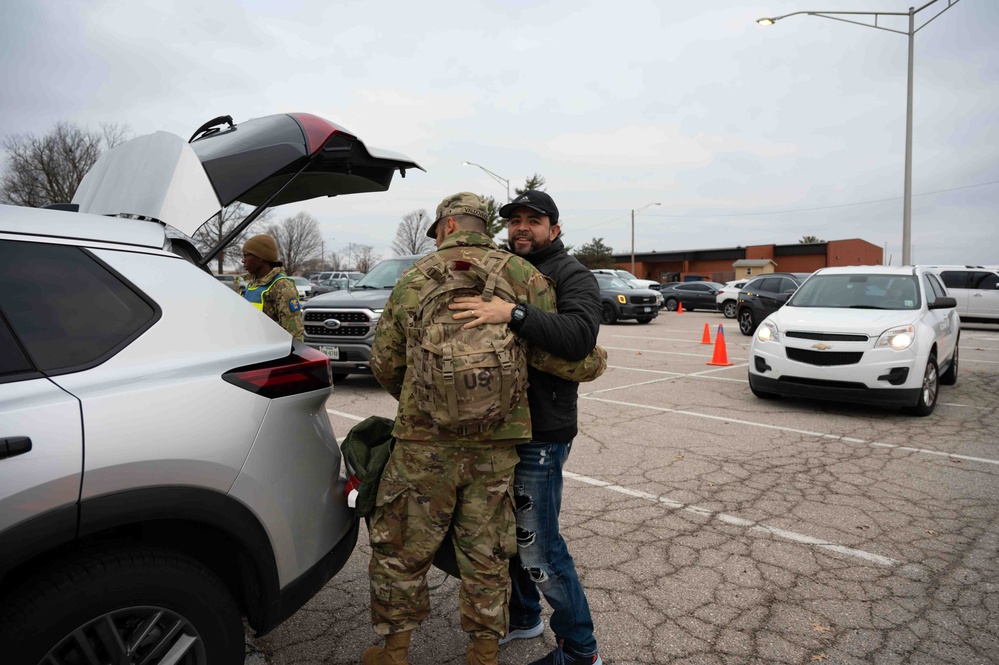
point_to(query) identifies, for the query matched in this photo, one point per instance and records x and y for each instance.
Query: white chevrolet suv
(871, 334)
(167, 466)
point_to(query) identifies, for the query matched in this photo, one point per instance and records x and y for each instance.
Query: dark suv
(764, 295)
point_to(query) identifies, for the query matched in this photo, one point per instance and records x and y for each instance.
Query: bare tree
(808, 240)
(411, 236)
(48, 169)
(211, 233)
(335, 260)
(298, 240)
(361, 257)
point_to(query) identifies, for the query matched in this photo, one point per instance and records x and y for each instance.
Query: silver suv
(166, 463)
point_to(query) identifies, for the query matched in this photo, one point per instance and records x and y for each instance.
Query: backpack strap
(506, 374)
(490, 270)
(447, 369)
(433, 266)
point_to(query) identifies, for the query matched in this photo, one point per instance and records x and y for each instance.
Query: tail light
(303, 371)
(317, 130)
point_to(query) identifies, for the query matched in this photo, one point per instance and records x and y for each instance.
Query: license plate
(332, 352)
(648, 309)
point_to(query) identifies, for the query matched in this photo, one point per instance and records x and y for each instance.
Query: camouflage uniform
(279, 301)
(435, 475)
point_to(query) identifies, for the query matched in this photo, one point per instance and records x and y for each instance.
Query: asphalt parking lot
(710, 526)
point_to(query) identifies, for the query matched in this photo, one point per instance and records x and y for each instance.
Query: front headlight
(767, 332)
(899, 339)
(377, 314)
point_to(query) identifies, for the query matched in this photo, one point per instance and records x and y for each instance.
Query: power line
(781, 212)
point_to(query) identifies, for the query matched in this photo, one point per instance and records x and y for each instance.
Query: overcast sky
(744, 134)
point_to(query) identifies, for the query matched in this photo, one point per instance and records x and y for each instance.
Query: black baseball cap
(535, 200)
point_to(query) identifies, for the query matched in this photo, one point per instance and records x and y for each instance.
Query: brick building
(720, 265)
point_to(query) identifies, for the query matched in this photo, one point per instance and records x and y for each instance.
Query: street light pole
(498, 178)
(633, 233)
(911, 34)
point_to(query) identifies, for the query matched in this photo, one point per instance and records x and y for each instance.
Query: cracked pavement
(711, 527)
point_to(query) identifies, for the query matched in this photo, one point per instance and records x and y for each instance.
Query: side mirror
(943, 302)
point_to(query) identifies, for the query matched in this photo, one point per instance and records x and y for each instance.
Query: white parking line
(662, 353)
(963, 360)
(793, 430)
(737, 521)
(349, 416)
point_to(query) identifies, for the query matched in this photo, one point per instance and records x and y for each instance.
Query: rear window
(955, 279)
(985, 280)
(67, 308)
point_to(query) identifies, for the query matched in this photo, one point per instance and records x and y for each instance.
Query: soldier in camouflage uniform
(268, 289)
(436, 476)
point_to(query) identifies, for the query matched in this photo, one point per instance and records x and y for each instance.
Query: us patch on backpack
(466, 380)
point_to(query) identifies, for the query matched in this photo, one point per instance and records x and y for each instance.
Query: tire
(761, 393)
(747, 322)
(929, 390)
(607, 314)
(949, 377)
(338, 377)
(108, 596)
(672, 304)
(645, 319)
(730, 308)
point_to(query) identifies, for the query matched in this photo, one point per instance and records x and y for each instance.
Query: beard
(523, 249)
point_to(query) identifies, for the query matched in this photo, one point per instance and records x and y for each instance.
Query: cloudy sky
(743, 134)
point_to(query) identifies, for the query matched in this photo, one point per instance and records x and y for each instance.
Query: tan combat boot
(393, 653)
(483, 651)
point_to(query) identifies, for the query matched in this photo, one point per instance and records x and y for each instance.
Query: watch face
(518, 313)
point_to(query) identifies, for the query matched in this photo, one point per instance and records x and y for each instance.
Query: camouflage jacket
(391, 366)
(280, 301)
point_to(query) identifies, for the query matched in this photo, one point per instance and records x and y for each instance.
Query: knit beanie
(263, 247)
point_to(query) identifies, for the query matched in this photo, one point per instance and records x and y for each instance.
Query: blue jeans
(543, 563)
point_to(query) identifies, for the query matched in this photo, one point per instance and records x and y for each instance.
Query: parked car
(336, 274)
(628, 277)
(693, 295)
(621, 300)
(329, 285)
(976, 290)
(764, 295)
(341, 324)
(870, 334)
(147, 498)
(232, 281)
(727, 300)
(304, 287)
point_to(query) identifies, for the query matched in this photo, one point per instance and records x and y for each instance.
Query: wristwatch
(517, 315)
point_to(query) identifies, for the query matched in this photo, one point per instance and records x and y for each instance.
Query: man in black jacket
(543, 562)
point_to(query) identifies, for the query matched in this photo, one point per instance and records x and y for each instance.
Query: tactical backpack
(468, 381)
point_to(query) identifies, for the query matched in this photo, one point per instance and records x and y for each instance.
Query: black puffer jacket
(570, 334)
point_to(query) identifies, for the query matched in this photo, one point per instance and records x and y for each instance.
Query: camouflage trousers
(423, 488)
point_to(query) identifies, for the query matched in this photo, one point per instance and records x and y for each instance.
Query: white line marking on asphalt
(737, 521)
(793, 430)
(963, 360)
(663, 353)
(658, 339)
(349, 416)
(964, 406)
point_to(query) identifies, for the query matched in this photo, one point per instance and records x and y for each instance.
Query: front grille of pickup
(352, 323)
(824, 358)
(828, 337)
(643, 300)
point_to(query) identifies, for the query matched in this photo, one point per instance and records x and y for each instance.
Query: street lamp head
(766, 21)
(466, 163)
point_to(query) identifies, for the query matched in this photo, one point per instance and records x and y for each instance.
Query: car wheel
(337, 378)
(125, 606)
(747, 322)
(608, 315)
(949, 377)
(671, 304)
(645, 319)
(729, 309)
(762, 394)
(928, 391)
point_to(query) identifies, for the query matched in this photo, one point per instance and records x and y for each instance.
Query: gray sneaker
(523, 633)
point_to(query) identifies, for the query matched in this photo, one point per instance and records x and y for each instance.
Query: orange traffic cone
(679, 307)
(720, 356)
(706, 339)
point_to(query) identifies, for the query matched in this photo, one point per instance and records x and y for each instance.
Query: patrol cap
(462, 203)
(535, 200)
(263, 247)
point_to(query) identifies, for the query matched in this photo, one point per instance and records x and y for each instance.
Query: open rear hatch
(264, 162)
